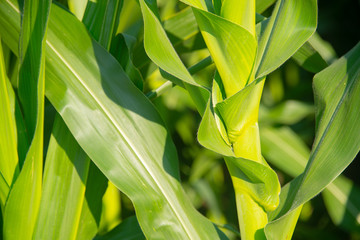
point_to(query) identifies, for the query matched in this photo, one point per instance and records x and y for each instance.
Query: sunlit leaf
(24, 198)
(289, 27)
(337, 90)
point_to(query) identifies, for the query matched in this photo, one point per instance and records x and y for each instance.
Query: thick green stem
(252, 217)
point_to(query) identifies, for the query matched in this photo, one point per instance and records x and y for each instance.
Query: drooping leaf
(284, 149)
(337, 91)
(133, 149)
(159, 48)
(24, 198)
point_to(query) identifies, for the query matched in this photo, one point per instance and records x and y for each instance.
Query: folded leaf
(234, 61)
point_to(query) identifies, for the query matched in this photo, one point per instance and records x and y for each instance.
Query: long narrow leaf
(102, 19)
(133, 148)
(284, 149)
(337, 91)
(65, 177)
(289, 27)
(24, 198)
(9, 167)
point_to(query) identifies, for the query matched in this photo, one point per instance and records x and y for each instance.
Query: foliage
(104, 106)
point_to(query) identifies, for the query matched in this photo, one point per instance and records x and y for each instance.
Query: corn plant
(76, 112)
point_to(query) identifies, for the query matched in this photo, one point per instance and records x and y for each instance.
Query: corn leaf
(89, 222)
(121, 50)
(284, 149)
(289, 27)
(337, 89)
(65, 177)
(158, 46)
(209, 138)
(78, 7)
(234, 61)
(262, 5)
(24, 198)
(133, 148)
(102, 19)
(9, 167)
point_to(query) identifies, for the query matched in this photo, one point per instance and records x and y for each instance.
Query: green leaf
(133, 148)
(240, 111)
(210, 137)
(9, 167)
(128, 229)
(65, 177)
(102, 19)
(24, 198)
(315, 55)
(309, 58)
(121, 50)
(262, 5)
(234, 61)
(284, 149)
(4, 192)
(78, 7)
(159, 48)
(91, 209)
(337, 91)
(241, 13)
(291, 24)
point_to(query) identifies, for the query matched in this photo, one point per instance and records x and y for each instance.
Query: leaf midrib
(122, 134)
(113, 122)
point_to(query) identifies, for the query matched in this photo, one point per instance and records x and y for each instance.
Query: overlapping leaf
(8, 150)
(24, 198)
(65, 177)
(337, 90)
(289, 27)
(133, 148)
